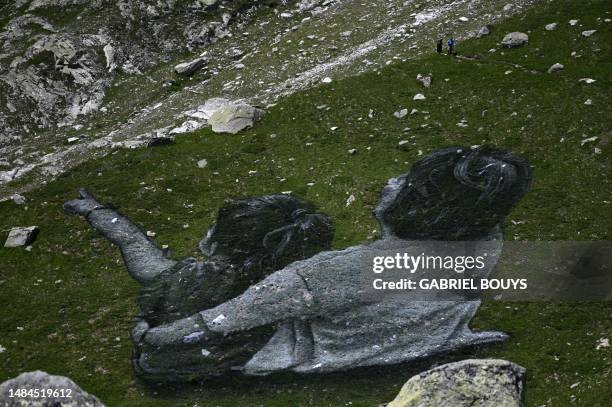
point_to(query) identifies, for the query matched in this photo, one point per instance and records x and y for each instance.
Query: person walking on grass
(451, 46)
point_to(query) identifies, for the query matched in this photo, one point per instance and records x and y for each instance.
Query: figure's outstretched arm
(192, 344)
(143, 259)
(281, 296)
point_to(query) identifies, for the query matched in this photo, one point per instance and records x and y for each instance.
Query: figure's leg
(143, 259)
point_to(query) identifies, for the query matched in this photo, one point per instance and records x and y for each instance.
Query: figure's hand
(175, 351)
(82, 206)
(185, 331)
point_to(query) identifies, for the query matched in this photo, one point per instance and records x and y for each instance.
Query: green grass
(67, 301)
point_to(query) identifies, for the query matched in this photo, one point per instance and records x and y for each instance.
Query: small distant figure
(451, 46)
(439, 46)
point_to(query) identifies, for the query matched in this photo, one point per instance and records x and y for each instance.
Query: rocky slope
(79, 78)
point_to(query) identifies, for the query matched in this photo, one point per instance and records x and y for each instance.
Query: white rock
(588, 140)
(588, 33)
(588, 102)
(551, 26)
(424, 79)
(419, 96)
(514, 39)
(602, 343)
(400, 114)
(573, 22)
(109, 53)
(187, 127)
(352, 151)
(555, 67)
(350, 200)
(587, 80)
(151, 234)
(327, 80)
(18, 199)
(72, 140)
(464, 19)
(403, 144)
(234, 117)
(21, 236)
(202, 163)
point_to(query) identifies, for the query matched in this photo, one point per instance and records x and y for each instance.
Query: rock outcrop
(472, 382)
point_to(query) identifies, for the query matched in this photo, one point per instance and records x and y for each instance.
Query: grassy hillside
(67, 305)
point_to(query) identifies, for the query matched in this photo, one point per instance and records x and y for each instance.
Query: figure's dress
(327, 319)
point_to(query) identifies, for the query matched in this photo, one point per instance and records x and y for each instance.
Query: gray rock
(588, 33)
(202, 163)
(515, 39)
(191, 67)
(21, 236)
(550, 27)
(484, 31)
(208, 108)
(18, 199)
(555, 67)
(44, 382)
(401, 113)
(234, 117)
(109, 53)
(472, 382)
(424, 79)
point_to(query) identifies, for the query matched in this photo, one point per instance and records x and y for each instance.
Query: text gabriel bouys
(452, 284)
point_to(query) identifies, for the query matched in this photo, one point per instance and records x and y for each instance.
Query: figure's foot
(82, 206)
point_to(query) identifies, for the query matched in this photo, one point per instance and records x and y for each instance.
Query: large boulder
(472, 382)
(21, 236)
(234, 117)
(51, 386)
(515, 39)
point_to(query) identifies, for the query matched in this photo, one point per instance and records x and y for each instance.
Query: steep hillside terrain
(71, 300)
(80, 78)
